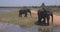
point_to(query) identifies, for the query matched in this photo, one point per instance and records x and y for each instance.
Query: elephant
(24, 11)
(44, 14)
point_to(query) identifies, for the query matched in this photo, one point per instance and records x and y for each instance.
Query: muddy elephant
(24, 11)
(44, 14)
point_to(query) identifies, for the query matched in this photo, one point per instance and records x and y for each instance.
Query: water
(4, 27)
(56, 29)
(8, 9)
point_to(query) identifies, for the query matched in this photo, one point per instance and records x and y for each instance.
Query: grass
(13, 18)
(57, 13)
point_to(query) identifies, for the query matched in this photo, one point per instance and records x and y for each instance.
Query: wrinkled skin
(44, 14)
(24, 11)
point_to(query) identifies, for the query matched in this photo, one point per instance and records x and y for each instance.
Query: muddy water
(16, 28)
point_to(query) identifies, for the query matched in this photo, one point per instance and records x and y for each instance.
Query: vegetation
(13, 18)
(43, 5)
(56, 11)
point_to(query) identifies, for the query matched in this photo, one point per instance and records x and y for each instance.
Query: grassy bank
(57, 13)
(13, 18)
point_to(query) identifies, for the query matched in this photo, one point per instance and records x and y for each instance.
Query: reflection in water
(4, 27)
(56, 29)
(45, 29)
(51, 29)
(16, 28)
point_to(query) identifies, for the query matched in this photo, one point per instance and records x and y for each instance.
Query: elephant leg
(52, 18)
(25, 15)
(48, 18)
(20, 15)
(39, 20)
(44, 20)
(30, 13)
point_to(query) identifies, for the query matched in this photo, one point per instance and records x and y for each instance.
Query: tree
(43, 5)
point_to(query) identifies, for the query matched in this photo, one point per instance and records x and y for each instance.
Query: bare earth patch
(56, 19)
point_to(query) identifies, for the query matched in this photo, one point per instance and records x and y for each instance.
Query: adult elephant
(44, 14)
(24, 11)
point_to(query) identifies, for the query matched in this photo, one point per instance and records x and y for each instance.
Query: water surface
(8, 9)
(56, 29)
(4, 27)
